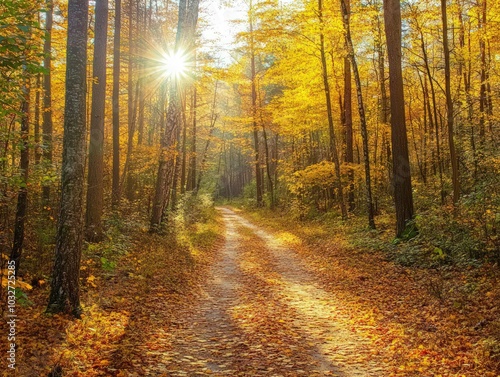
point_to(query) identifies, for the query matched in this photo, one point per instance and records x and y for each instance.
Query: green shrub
(192, 209)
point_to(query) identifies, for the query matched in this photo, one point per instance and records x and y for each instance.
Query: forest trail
(263, 314)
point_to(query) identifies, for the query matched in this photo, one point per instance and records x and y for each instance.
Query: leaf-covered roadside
(426, 322)
(132, 288)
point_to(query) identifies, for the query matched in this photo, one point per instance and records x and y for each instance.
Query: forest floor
(251, 295)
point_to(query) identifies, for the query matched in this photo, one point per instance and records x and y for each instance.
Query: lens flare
(175, 64)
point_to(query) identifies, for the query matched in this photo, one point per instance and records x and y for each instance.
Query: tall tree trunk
(142, 90)
(334, 155)
(22, 196)
(384, 100)
(268, 168)
(435, 120)
(38, 149)
(47, 97)
(168, 146)
(131, 102)
(193, 156)
(362, 117)
(347, 110)
(483, 100)
(95, 190)
(176, 173)
(403, 196)
(449, 106)
(183, 151)
(213, 120)
(115, 196)
(65, 290)
(258, 173)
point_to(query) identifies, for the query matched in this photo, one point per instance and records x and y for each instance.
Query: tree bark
(347, 110)
(334, 155)
(256, 144)
(403, 197)
(115, 196)
(65, 290)
(47, 97)
(22, 196)
(95, 190)
(184, 123)
(38, 149)
(362, 117)
(435, 121)
(127, 179)
(213, 120)
(193, 156)
(449, 106)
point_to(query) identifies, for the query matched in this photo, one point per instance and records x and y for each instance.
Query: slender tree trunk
(334, 155)
(384, 100)
(47, 97)
(141, 92)
(347, 110)
(423, 145)
(141, 116)
(435, 121)
(95, 190)
(167, 145)
(38, 149)
(213, 120)
(268, 168)
(65, 290)
(449, 106)
(184, 145)
(362, 117)
(22, 196)
(403, 196)
(483, 100)
(127, 179)
(258, 173)
(116, 106)
(193, 157)
(177, 159)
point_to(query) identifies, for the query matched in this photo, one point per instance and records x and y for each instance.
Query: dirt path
(262, 314)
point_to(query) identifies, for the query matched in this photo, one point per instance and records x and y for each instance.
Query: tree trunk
(193, 157)
(258, 173)
(347, 110)
(403, 196)
(362, 117)
(449, 106)
(115, 196)
(38, 149)
(435, 120)
(213, 120)
(183, 167)
(22, 196)
(95, 190)
(334, 156)
(47, 98)
(483, 100)
(131, 101)
(65, 290)
(268, 168)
